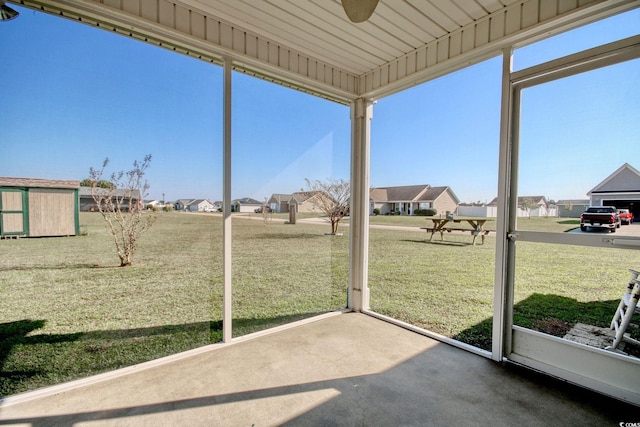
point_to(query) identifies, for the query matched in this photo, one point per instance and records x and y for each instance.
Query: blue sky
(77, 94)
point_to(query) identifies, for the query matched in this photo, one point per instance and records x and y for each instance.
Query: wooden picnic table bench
(440, 226)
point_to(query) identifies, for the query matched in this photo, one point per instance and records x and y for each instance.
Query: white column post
(358, 294)
(226, 232)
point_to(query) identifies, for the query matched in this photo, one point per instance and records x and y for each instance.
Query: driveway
(632, 229)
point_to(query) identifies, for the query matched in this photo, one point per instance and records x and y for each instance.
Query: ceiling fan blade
(359, 10)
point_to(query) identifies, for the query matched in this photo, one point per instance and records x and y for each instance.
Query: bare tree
(121, 206)
(266, 210)
(332, 198)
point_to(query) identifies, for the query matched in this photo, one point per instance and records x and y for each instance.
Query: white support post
(502, 297)
(227, 333)
(358, 294)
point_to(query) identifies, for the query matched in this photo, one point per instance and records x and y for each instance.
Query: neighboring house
(305, 201)
(571, 208)
(194, 205)
(538, 206)
(245, 204)
(87, 204)
(407, 199)
(279, 202)
(200, 205)
(38, 207)
(620, 189)
(181, 204)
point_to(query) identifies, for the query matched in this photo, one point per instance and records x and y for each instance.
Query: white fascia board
(515, 25)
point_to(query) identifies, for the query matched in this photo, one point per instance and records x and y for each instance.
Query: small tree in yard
(527, 204)
(121, 206)
(332, 197)
(568, 206)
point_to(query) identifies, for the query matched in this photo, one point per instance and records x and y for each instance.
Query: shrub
(168, 208)
(376, 211)
(425, 212)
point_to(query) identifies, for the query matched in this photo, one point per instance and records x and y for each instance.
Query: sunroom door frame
(601, 370)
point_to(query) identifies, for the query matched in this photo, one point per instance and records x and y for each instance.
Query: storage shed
(34, 207)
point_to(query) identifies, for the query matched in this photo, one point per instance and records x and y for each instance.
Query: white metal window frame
(601, 370)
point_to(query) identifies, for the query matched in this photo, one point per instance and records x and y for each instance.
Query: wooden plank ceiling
(312, 45)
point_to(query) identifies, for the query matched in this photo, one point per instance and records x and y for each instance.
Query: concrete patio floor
(347, 369)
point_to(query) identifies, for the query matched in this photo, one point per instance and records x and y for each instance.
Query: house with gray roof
(124, 195)
(194, 205)
(200, 205)
(246, 204)
(405, 200)
(279, 202)
(620, 189)
(181, 204)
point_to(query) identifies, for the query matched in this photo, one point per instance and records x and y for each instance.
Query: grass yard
(68, 311)
(447, 286)
(282, 273)
(443, 286)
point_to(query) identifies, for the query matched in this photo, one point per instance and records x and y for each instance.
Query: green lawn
(68, 311)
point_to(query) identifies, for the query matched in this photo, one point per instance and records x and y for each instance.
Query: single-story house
(181, 204)
(409, 198)
(200, 205)
(87, 204)
(571, 208)
(33, 207)
(279, 202)
(246, 204)
(194, 205)
(305, 201)
(620, 189)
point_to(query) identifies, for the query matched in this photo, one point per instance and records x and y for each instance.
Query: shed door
(51, 212)
(12, 212)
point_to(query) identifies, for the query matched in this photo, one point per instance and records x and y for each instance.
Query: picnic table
(449, 224)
